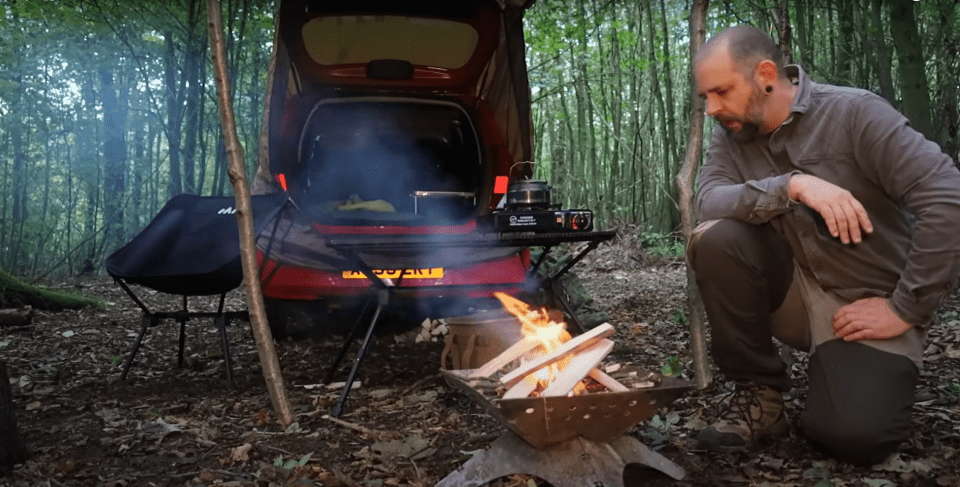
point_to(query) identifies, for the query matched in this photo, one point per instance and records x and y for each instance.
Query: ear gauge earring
(769, 89)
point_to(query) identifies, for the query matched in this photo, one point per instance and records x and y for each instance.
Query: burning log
(551, 362)
(578, 368)
(522, 389)
(606, 381)
(509, 355)
(572, 346)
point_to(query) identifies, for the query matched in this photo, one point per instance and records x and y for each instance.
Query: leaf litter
(403, 426)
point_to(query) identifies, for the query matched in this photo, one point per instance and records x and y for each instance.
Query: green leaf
(879, 483)
(954, 387)
(304, 459)
(672, 368)
(816, 473)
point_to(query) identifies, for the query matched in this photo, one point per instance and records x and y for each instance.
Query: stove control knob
(580, 221)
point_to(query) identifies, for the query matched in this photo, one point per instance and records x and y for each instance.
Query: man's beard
(750, 126)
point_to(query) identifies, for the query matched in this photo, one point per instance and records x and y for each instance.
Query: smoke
(387, 151)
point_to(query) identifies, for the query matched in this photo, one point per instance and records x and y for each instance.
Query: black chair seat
(190, 248)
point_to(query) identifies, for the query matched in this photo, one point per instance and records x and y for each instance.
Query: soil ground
(404, 426)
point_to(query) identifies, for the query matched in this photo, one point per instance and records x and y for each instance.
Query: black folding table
(353, 248)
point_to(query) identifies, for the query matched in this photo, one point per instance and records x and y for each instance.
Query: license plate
(432, 273)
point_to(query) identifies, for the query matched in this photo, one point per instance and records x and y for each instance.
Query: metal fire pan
(601, 416)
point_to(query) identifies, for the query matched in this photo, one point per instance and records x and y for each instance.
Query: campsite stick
(258, 315)
(684, 181)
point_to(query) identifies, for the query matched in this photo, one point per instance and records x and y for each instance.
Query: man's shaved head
(747, 46)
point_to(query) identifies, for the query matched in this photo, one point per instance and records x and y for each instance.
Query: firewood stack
(523, 370)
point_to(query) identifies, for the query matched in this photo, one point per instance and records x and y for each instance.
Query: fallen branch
(370, 433)
(16, 317)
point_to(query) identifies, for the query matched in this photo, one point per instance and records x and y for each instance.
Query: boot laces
(742, 401)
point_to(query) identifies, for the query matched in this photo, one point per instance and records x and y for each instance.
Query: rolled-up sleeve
(719, 195)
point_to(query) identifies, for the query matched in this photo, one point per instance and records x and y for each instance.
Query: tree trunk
(785, 33)
(258, 315)
(671, 135)
(667, 210)
(911, 69)
(88, 167)
(12, 449)
(881, 52)
(685, 179)
(947, 119)
(191, 74)
(114, 156)
(174, 116)
(844, 60)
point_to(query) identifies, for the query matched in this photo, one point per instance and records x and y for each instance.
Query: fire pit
(567, 418)
(568, 441)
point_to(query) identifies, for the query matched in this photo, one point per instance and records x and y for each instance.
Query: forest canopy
(108, 108)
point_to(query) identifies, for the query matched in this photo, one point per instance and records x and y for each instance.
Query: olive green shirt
(855, 140)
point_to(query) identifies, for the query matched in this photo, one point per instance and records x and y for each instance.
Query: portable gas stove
(570, 441)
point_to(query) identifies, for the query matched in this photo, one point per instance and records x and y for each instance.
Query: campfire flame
(546, 327)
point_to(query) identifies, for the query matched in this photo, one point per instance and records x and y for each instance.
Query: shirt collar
(801, 100)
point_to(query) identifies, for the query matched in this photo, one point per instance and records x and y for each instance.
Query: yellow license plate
(432, 273)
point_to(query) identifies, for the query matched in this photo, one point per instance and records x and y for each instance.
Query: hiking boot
(754, 412)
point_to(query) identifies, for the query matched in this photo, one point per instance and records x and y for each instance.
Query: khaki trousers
(860, 393)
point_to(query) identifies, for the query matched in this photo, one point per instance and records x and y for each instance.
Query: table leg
(383, 298)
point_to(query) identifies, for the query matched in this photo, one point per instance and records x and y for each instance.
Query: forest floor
(404, 426)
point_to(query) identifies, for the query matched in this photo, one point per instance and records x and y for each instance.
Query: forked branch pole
(685, 181)
(258, 315)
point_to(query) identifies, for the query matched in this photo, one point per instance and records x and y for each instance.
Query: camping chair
(190, 248)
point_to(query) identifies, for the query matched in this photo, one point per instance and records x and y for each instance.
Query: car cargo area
(398, 162)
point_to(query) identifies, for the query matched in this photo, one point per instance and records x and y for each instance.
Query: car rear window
(359, 39)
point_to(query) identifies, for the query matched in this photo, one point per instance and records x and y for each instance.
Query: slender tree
(911, 66)
(685, 181)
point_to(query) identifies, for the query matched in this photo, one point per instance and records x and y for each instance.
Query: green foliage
(678, 317)
(14, 292)
(662, 244)
(672, 367)
(291, 463)
(954, 387)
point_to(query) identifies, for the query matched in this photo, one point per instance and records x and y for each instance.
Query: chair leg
(221, 322)
(145, 322)
(183, 334)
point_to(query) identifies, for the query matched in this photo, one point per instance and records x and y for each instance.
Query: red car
(392, 118)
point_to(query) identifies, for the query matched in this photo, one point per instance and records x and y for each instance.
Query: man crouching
(828, 223)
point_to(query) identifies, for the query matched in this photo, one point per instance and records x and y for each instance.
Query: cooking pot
(528, 194)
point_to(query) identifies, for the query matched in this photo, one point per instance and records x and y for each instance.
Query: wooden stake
(509, 355)
(578, 368)
(573, 345)
(248, 256)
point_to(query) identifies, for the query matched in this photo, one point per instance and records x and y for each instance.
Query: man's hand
(845, 216)
(868, 319)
